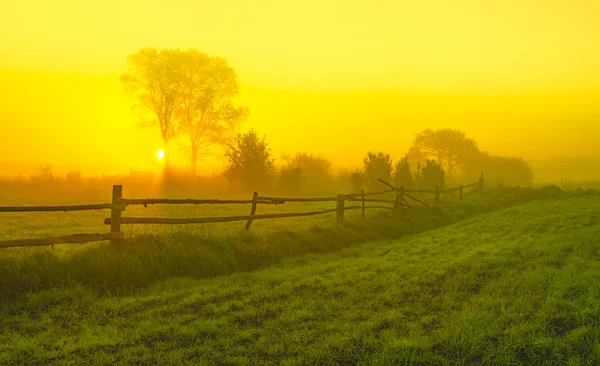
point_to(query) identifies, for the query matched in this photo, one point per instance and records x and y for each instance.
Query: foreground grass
(514, 286)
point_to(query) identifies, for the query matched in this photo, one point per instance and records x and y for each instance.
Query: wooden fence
(118, 205)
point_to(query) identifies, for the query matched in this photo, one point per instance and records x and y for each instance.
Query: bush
(377, 165)
(432, 176)
(250, 162)
(307, 173)
(402, 175)
(357, 180)
(290, 180)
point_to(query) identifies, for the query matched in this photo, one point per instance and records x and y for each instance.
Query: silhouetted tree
(377, 165)
(432, 175)
(250, 161)
(153, 80)
(208, 115)
(402, 174)
(357, 180)
(450, 148)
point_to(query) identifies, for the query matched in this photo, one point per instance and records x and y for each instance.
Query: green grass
(514, 286)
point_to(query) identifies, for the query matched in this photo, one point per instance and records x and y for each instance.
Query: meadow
(508, 287)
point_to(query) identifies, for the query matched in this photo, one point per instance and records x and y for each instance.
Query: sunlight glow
(501, 71)
(160, 154)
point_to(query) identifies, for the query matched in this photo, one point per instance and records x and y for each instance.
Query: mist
(50, 116)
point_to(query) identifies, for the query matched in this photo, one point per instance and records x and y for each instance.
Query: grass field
(154, 253)
(518, 285)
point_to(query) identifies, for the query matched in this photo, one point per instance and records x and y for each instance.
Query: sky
(337, 78)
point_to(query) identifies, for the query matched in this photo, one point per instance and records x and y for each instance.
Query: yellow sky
(337, 77)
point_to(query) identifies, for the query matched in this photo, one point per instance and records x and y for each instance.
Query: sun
(160, 154)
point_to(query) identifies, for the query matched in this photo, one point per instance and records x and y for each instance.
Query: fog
(328, 89)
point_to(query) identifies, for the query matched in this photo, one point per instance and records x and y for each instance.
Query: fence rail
(118, 205)
(170, 201)
(380, 200)
(205, 220)
(374, 193)
(298, 199)
(69, 239)
(102, 206)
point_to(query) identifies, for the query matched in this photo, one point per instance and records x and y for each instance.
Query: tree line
(190, 94)
(436, 158)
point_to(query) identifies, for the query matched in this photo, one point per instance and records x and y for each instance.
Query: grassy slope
(517, 285)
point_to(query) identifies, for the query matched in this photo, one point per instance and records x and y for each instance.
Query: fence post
(461, 192)
(481, 185)
(339, 215)
(399, 204)
(252, 211)
(362, 193)
(115, 212)
(437, 193)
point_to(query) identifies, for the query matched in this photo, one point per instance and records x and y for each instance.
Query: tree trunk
(167, 155)
(193, 161)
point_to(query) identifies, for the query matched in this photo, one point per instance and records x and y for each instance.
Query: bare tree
(153, 81)
(208, 115)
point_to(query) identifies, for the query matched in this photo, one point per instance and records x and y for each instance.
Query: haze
(338, 78)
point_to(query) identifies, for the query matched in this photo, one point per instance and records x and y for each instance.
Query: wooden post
(115, 212)
(481, 185)
(399, 204)
(461, 192)
(437, 193)
(339, 215)
(362, 193)
(252, 211)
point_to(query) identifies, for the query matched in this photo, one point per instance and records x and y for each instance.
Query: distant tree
(377, 165)
(43, 174)
(450, 148)
(517, 171)
(402, 174)
(357, 180)
(207, 114)
(153, 80)
(499, 170)
(566, 184)
(432, 175)
(74, 177)
(249, 161)
(290, 179)
(315, 171)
